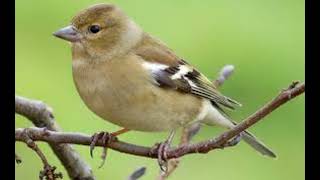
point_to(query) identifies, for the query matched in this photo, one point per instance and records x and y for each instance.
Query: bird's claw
(94, 140)
(106, 138)
(162, 155)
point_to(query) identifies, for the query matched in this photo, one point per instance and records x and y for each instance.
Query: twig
(224, 74)
(206, 146)
(189, 133)
(41, 116)
(137, 173)
(201, 147)
(48, 170)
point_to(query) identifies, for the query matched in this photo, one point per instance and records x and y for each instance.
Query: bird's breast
(126, 97)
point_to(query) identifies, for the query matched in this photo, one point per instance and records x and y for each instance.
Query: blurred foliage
(263, 39)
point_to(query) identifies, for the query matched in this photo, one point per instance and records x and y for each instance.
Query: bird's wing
(172, 72)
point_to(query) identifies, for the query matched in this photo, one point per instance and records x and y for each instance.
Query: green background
(263, 39)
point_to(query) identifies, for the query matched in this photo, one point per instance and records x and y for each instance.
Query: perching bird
(130, 78)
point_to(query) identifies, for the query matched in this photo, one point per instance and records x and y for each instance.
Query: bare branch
(48, 170)
(201, 147)
(224, 74)
(206, 146)
(189, 133)
(41, 116)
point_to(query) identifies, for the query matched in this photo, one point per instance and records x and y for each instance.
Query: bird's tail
(257, 145)
(217, 116)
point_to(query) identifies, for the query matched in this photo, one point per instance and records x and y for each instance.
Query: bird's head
(100, 29)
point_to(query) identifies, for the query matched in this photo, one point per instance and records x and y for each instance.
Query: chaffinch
(128, 77)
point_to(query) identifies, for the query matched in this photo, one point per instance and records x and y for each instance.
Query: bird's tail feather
(257, 145)
(225, 121)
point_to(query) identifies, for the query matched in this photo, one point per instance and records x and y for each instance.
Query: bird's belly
(146, 107)
(153, 113)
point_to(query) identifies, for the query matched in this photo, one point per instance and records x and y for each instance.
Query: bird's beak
(68, 33)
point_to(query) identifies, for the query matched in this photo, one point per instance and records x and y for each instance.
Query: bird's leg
(187, 133)
(121, 131)
(232, 142)
(162, 154)
(106, 138)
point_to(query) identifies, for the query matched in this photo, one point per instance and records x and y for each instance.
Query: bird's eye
(94, 28)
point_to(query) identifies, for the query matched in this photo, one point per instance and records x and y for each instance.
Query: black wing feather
(192, 82)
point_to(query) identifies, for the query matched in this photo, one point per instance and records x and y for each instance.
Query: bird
(134, 80)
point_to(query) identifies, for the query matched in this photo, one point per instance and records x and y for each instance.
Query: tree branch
(41, 116)
(38, 134)
(48, 171)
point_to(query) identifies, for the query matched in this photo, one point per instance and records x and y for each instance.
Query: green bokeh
(263, 39)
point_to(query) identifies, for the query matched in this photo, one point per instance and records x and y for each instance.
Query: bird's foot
(232, 142)
(162, 155)
(162, 149)
(106, 139)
